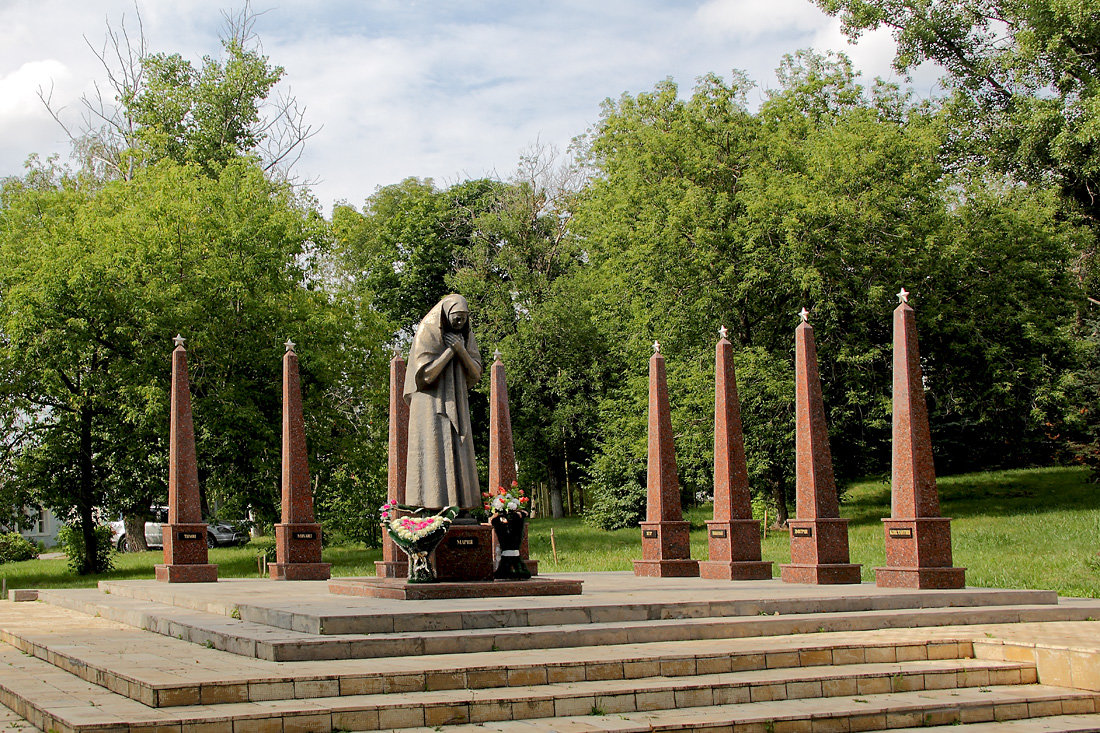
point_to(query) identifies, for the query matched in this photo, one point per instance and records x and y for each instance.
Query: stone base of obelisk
(927, 578)
(734, 551)
(465, 554)
(300, 571)
(186, 573)
(666, 551)
(821, 574)
(394, 562)
(819, 553)
(185, 555)
(298, 553)
(918, 555)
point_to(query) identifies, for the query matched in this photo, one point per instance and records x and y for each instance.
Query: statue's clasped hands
(455, 342)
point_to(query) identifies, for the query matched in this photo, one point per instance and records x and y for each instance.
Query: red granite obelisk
(733, 536)
(394, 562)
(666, 550)
(918, 539)
(298, 535)
(819, 537)
(502, 452)
(185, 555)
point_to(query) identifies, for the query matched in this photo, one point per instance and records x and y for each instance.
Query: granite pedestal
(185, 555)
(300, 544)
(465, 554)
(401, 590)
(734, 551)
(666, 551)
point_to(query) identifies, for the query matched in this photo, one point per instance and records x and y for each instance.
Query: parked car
(218, 534)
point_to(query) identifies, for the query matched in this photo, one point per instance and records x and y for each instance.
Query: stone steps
(869, 712)
(358, 618)
(777, 718)
(633, 666)
(183, 673)
(263, 641)
(51, 698)
(12, 723)
(1053, 724)
(629, 655)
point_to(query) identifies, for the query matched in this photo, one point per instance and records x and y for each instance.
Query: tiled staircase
(84, 662)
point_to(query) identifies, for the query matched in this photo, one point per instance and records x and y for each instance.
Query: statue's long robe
(442, 470)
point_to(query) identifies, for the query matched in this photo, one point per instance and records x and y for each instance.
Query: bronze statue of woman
(443, 361)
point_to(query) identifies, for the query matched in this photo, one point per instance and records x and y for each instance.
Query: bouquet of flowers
(412, 529)
(502, 501)
(508, 509)
(416, 535)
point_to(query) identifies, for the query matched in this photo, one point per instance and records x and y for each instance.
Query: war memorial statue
(443, 361)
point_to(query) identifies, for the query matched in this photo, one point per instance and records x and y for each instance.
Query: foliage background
(678, 212)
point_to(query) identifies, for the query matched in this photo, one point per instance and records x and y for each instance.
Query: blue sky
(446, 90)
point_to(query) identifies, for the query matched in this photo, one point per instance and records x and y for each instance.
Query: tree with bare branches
(154, 106)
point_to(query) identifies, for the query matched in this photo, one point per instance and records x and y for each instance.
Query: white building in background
(43, 528)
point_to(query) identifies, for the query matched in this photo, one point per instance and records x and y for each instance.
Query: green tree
(160, 108)
(504, 245)
(831, 196)
(208, 115)
(1024, 78)
(95, 281)
(515, 273)
(1023, 83)
(399, 251)
(159, 105)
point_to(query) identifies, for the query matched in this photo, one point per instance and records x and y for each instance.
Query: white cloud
(428, 88)
(873, 56)
(19, 89)
(24, 118)
(753, 18)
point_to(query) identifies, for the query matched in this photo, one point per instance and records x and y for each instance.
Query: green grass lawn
(1036, 528)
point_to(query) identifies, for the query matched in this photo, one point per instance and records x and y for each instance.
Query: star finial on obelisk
(289, 345)
(804, 315)
(723, 332)
(903, 296)
(656, 347)
(178, 340)
(496, 354)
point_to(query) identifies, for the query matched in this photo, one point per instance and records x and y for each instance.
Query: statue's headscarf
(428, 345)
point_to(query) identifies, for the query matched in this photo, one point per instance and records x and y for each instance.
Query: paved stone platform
(399, 589)
(632, 654)
(251, 618)
(607, 597)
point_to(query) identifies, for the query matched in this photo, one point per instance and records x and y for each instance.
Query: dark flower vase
(508, 528)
